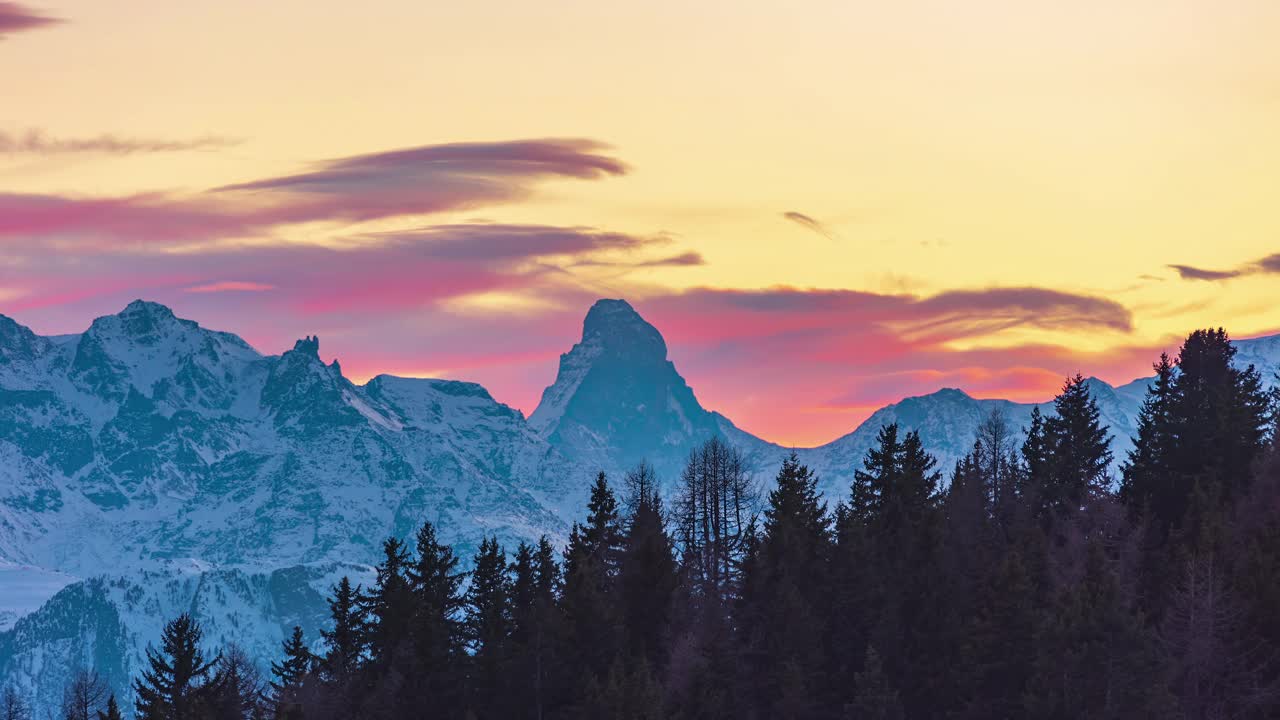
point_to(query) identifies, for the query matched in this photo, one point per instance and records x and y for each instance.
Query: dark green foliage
(647, 574)
(289, 675)
(178, 678)
(785, 599)
(1076, 452)
(111, 713)
(487, 626)
(592, 618)
(344, 641)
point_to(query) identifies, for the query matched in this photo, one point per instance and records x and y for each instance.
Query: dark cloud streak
(809, 223)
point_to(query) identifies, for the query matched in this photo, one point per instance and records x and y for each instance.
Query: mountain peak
(145, 308)
(617, 327)
(309, 345)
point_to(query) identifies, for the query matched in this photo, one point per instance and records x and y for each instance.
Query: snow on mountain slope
(618, 400)
(149, 447)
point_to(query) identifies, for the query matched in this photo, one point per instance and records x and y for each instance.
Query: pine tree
(173, 685)
(1146, 465)
(591, 571)
(785, 599)
(1035, 461)
(436, 602)
(111, 713)
(289, 675)
(1079, 452)
(488, 626)
(344, 644)
(648, 575)
(389, 606)
(1202, 428)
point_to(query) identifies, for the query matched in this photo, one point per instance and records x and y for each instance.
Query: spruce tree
(174, 684)
(344, 643)
(648, 575)
(785, 597)
(436, 631)
(1203, 426)
(488, 625)
(589, 602)
(389, 606)
(289, 675)
(1079, 450)
(111, 713)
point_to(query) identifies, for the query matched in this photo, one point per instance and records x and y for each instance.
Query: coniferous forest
(1026, 582)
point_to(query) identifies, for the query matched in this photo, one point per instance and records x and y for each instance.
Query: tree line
(1034, 585)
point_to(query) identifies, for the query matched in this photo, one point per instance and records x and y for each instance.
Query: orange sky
(986, 194)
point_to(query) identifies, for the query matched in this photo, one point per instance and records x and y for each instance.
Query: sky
(823, 206)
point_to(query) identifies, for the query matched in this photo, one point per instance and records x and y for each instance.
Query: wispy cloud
(15, 18)
(229, 286)
(1267, 265)
(1188, 272)
(37, 142)
(398, 183)
(686, 259)
(809, 223)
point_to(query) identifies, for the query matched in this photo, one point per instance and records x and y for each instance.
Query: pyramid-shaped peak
(617, 326)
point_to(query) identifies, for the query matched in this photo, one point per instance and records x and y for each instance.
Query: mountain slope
(149, 448)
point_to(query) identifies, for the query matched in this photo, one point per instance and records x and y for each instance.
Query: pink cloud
(17, 18)
(229, 286)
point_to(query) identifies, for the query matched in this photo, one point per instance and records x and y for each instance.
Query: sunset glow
(824, 206)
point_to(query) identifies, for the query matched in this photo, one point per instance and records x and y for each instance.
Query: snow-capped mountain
(177, 466)
(618, 400)
(150, 466)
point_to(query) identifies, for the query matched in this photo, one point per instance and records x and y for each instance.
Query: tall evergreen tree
(344, 642)
(389, 606)
(785, 599)
(590, 577)
(488, 626)
(1079, 450)
(648, 575)
(436, 629)
(1203, 426)
(537, 678)
(111, 713)
(174, 684)
(289, 675)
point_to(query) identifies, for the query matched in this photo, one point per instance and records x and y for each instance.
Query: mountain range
(150, 466)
